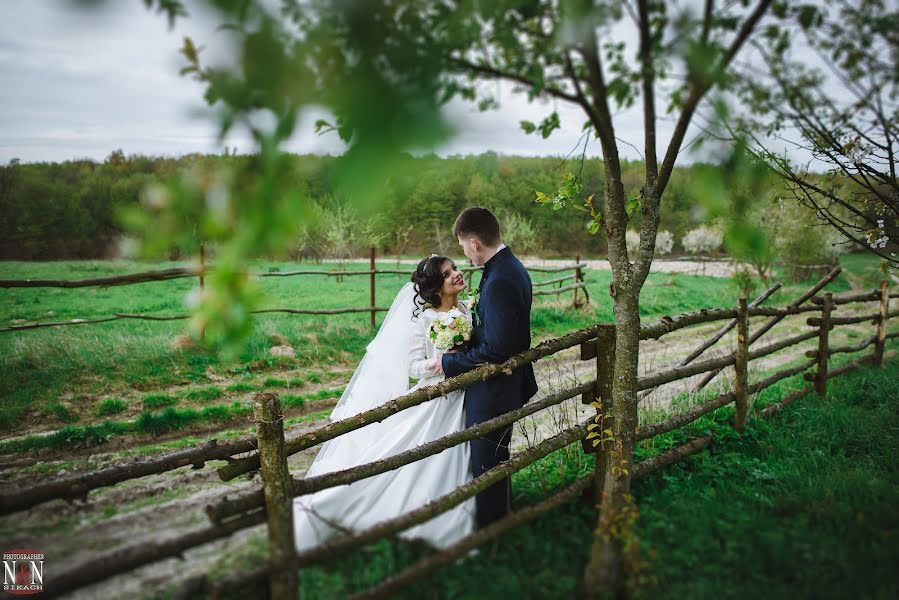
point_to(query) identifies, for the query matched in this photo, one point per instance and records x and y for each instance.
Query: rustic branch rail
(730, 325)
(716, 363)
(816, 321)
(196, 271)
(561, 290)
(482, 373)
(78, 485)
(556, 280)
(227, 507)
(844, 349)
(802, 299)
(137, 554)
(157, 275)
(203, 268)
(869, 296)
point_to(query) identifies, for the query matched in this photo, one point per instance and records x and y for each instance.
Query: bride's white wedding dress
(400, 350)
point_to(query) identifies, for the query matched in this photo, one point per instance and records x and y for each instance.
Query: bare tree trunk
(614, 539)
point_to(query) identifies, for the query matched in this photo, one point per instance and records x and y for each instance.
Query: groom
(502, 329)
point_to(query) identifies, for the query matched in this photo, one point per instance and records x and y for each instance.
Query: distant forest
(68, 210)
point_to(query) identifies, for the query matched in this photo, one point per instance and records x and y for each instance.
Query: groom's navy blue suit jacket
(502, 330)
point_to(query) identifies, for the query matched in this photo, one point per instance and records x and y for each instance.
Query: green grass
(205, 394)
(156, 423)
(154, 401)
(62, 412)
(110, 406)
(799, 505)
(240, 386)
(172, 419)
(300, 400)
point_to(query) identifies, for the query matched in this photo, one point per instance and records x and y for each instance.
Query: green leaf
(632, 205)
(808, 16)
(527, 126)
(550, 124)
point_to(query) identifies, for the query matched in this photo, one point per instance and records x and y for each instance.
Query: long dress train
(364, 503)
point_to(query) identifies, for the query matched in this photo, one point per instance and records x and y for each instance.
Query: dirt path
(709, 268)
(169, 504)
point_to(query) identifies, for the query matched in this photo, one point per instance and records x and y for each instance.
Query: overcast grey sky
(78, 83)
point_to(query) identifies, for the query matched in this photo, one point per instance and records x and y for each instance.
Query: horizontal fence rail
(228, 507)
(201, 270)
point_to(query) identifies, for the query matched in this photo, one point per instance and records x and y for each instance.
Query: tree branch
(495, 73)
(698, 90)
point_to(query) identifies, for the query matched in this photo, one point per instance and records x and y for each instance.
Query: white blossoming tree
(664, 242)
(838, 103)
(704, 239)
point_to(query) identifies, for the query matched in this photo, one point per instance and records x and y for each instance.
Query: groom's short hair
(479, 222)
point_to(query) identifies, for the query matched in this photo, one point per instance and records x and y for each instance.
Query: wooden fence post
(882, 323)
(202, 264)
(276, 484)
(823, 349)
(603, 348)
(372, 286)
(577, 279)
(741, 365)
(202, 282)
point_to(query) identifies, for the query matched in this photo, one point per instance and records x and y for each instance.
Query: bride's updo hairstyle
(428, 279)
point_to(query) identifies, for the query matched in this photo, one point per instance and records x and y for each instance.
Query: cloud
(81, 82)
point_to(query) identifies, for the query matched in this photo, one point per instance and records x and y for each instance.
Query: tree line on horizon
(71, 210)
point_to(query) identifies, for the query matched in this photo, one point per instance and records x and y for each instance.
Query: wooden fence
(576, 268)
(268, 450)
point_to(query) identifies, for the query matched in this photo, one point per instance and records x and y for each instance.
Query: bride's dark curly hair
(428, 280)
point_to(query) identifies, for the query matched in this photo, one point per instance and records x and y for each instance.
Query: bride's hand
(436, 365)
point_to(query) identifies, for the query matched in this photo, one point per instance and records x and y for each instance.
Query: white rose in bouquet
(450, 330)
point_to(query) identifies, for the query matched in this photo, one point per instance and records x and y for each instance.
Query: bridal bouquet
(450, 330)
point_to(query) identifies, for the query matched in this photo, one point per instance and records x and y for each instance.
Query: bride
(401, 350)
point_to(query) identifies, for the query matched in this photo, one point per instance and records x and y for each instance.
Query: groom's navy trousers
(502, 329)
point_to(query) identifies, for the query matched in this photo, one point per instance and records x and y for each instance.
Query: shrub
(664, 242)
(744, 282)
(803, 241)
(702, 240)
(519, 233)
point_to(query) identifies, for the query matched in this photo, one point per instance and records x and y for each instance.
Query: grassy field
(108, 373)
(800, 506)
(791, 476)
